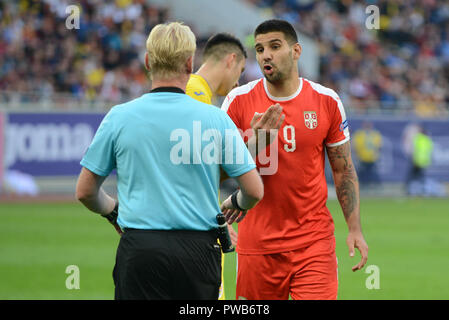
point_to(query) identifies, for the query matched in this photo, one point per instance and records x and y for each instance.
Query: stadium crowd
(404, 63)
(100, 61)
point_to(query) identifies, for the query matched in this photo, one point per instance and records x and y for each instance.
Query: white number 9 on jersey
(290, 146)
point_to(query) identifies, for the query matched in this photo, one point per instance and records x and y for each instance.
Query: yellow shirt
(422, 155)
(367, 145)
(199, 89)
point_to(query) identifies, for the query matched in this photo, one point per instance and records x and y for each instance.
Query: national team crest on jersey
(310, 119)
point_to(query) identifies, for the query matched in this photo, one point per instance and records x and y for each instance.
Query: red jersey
(293, 212)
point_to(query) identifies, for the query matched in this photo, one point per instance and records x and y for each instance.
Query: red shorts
(304, 274)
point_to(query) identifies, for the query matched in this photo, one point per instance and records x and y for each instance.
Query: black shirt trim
(167, 89)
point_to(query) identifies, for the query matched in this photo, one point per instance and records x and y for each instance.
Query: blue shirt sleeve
(236, 159)
(100, 156)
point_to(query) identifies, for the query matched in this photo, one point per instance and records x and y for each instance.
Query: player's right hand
(267, 124)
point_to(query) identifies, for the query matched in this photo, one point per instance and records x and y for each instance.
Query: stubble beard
(275, 77)
(278, 76)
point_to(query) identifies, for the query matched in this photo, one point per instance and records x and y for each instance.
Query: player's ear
(297, 50)
(231, 59)
(147, 62)
(189, 65)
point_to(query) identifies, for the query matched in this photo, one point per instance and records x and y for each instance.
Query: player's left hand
(233, 235)
(355, 239)
(231, 214)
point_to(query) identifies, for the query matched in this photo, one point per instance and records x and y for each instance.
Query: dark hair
(276, 25)
(222, 44)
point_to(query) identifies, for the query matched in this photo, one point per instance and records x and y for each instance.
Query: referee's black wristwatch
(235, 204)
(112, 217)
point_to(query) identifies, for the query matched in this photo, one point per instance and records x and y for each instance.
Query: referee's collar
(167, 89)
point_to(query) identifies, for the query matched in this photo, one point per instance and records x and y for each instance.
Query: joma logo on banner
(46, 142)
(73, 20)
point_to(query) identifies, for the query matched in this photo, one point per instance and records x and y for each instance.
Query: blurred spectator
(367, 144)
(402, 66)
(100, 62)
(422, 159)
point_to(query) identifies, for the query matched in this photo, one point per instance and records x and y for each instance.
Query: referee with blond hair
(167, 149)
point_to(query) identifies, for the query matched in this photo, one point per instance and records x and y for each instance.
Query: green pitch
(408, 240)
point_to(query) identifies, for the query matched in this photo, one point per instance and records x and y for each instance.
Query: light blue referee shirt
(167, 149)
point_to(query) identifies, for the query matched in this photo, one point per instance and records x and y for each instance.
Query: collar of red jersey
(294, 95)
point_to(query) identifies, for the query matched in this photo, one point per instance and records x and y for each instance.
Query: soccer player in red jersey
(286, 244)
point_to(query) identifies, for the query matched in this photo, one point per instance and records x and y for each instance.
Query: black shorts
(175, 264)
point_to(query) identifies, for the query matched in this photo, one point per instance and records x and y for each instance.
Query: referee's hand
(118, 229)
(232, 214)
(112, 218)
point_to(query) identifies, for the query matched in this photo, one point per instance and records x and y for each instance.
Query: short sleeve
(236, 159)
(100, 156)
(339, 129)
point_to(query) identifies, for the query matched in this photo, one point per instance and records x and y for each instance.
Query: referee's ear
(147, 63)
(189, 65)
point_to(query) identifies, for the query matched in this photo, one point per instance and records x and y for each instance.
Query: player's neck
(178, 82)
(283, 88)
(212, 75)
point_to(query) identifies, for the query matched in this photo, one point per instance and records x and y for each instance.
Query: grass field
(408, 240)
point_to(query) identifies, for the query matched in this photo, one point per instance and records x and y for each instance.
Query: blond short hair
(169, 46)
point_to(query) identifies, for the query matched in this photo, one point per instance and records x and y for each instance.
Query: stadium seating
(403, 65)
(99, 62)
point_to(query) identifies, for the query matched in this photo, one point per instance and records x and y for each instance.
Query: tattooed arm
(347, 189)
(346, 183)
